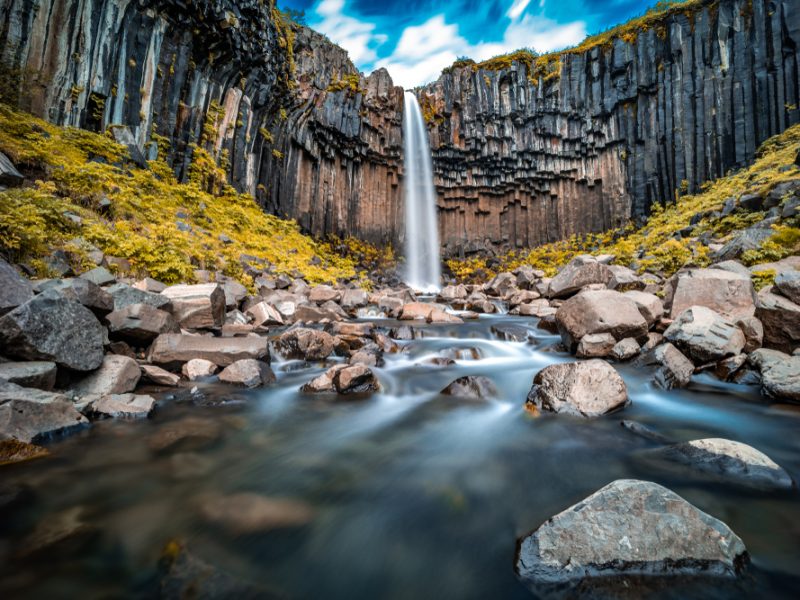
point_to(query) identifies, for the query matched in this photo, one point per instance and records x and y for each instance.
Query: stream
(414, 494)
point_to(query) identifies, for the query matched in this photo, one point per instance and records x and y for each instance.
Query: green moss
(141, 224)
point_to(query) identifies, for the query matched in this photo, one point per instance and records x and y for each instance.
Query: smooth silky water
(416, 495)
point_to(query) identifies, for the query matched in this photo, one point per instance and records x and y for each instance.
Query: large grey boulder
(125, 295)
(580, 272)
(780, 318)
(31, 415)
(39, 374)
(727, 293)
(174, 348)
(199, 306)
(787, 283)
(15, 290)
(731, 462)
(599, 311)
(305, 344)
(705, 335)
(53, 328)
(587, 389)
(628, 528)
(117, 375)
(140, 323)
(88, 293)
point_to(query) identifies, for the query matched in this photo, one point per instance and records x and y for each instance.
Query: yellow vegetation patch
(166, 229)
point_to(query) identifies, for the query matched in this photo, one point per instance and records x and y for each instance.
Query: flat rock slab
(124, 405)
(586, 389)
(629, 527)
(160, 376)
(38, 374)
(117, 375)
(50, 327)
(171, 348)
(731, 462)
(197, 306)
(30, 415)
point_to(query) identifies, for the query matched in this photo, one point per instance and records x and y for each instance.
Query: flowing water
(423, 265)
(415, 495)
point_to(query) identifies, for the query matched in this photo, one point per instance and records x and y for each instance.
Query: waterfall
(423, 263)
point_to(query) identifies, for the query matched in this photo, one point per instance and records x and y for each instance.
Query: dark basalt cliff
(520, 156)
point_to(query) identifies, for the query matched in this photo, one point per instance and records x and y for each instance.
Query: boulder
(140, 324)
(511, 333)
(596, 345)
(99, 276)
(742, 241)
(527, 277)
(50, 327)
(780, 318)
(199, 306)
(780, 375)
(451, 293)
(601, 311)
(305, 344)
(624, 279)
(31, 415)
(125, 295)
(117, 375)
(198, 368)
(324, 293)
(148, 284)
(124, 405)
(580, 272)
(88, 293)
(705, 335)
(172, 348)
(649, 305)
(355, 379)
(159, 376)
(502, 284)
(627, 528)
(249, 513)
(753, 332)
(354, 299)
(263, 313)
(727, 293)
(416, 311)
(33, 374)
(675, 370)
(370, 355)
(15, 290)
(787, 283)
(234, 292)
(471, 387)
(537, 308)
(625, 349)
(248, 372)
(731, 462)
(587, 389)
(313, 314)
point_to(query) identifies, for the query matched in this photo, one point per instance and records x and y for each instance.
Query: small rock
(355, 379)
(99, 276)
(596, 345)
(305, 344)
(198, 368)
(625, 349)
(31, 374)
(124, 405)
(140, 323)
(471, 388)
(29, 415)
(125, 295)
(197, 306)
(675, 370)
(159, 376)
(248, 372)
(15, 290)
(781, 320)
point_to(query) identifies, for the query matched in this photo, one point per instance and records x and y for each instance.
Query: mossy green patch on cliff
(658, 246)
(350, 82)
(87, 191)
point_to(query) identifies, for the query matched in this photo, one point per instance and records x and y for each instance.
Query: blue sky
(416, 39)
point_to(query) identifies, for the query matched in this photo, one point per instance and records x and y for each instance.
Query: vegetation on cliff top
(87, 193)
(547, 67)
(658, 246)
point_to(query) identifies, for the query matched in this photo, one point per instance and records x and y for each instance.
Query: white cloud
(423, 50)
(357, 37)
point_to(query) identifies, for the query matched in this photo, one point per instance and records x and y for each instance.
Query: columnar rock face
(521, 155)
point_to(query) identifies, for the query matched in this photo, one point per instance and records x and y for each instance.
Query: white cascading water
(423, 263)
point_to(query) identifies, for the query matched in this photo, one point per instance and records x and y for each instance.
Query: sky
(415, 39)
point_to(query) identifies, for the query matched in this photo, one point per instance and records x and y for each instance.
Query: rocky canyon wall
(540, 151)
(524, 151)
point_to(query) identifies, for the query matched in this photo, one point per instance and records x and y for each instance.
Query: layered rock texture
(524, 151)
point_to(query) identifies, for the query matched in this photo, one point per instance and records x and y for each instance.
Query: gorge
(526, 149)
